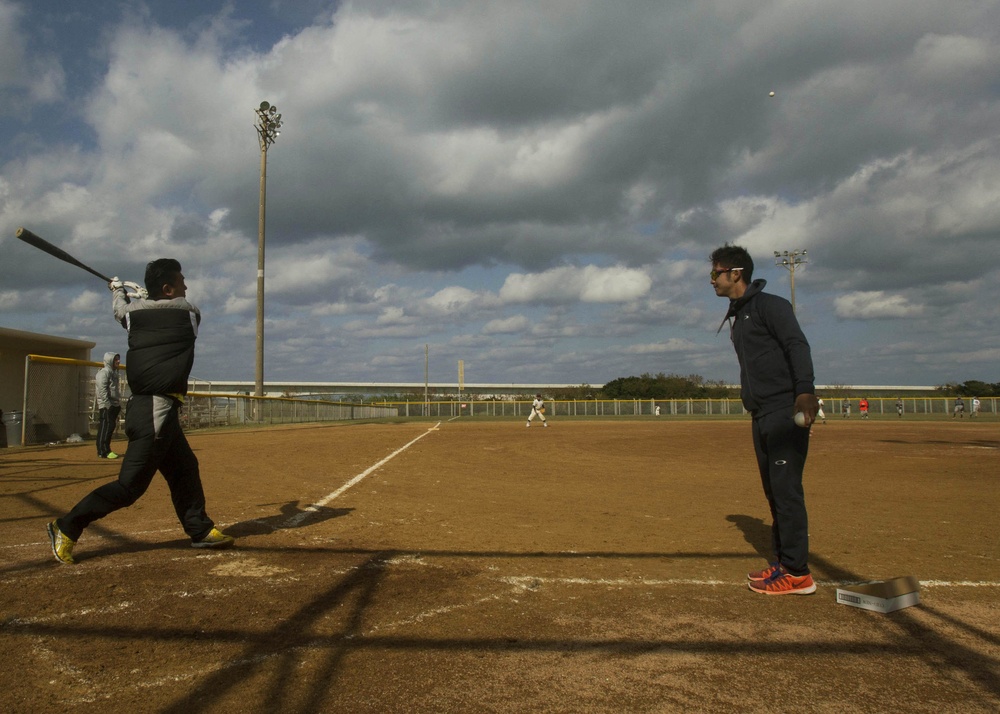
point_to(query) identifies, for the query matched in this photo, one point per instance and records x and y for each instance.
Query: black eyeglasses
(716, 273)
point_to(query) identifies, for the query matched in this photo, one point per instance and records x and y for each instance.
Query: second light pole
(268, 123)
(790, 261)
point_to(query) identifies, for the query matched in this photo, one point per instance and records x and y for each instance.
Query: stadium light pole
(790, 261)
(268, 123)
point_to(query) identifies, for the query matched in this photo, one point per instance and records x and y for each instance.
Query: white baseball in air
(800, 419)
(770, 94)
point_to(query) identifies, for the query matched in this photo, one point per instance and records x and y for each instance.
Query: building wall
(15, 345)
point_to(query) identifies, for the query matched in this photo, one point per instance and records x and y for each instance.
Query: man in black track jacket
(776, 381)
(161, 334)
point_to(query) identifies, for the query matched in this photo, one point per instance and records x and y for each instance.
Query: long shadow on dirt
(289, 515)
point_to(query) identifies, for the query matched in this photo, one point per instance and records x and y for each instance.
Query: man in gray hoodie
(109, 403)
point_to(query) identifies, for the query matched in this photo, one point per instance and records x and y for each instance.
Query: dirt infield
(594, 566)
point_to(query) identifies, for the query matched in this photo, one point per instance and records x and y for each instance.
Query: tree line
(971, 388)
(654, 386)
(694, 386)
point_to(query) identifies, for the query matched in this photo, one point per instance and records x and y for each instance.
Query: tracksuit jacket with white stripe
(775, 360)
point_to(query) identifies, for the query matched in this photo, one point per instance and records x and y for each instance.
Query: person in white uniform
(537, 410)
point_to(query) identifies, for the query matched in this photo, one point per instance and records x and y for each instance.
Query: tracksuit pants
(106, 425)
(781, 449)
(156, 442)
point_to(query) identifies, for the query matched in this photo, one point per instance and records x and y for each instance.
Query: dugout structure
(59, 400)
(15, 346)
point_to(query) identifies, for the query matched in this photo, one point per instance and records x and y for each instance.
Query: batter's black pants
(106, 425)
(781, 449)
(155, 443)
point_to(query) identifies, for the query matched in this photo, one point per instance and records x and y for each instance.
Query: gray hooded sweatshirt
(108, 390)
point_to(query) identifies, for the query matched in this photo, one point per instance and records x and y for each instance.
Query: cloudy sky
(532, 187)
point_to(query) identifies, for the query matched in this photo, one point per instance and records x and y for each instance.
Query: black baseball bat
(42, 244)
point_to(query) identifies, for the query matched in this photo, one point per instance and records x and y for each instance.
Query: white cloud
(875, 305)
(451, 299)
(310, 272)
(507, 325)
(673, 345)
(10, 300)
(25, 68)
(955, 58)
(89, 302)
(570, 284)
(585, 157)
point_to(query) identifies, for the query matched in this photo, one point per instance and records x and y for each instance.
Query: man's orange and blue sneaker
(215, 539)
(782, 582)
(764, 573)
(62, 544)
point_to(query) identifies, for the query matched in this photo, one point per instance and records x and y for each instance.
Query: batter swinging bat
(42, 244)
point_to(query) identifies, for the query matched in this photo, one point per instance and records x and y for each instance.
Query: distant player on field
(959, 408)
(863, 408)
(537, 410)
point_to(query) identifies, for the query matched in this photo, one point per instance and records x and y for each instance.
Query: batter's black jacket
(161, 336)
(775, 360)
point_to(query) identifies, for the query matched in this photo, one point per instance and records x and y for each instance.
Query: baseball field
(479, 566)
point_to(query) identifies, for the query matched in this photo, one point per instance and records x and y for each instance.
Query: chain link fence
(60, 405)
(729, 407)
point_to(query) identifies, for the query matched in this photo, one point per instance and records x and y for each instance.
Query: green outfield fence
(59, 406)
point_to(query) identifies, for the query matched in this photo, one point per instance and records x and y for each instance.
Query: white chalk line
(313, 508)
(98, 536)
(520, 582)
(527, 580)
(521, 585)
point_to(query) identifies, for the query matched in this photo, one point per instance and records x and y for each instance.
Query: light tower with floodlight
(268, 123)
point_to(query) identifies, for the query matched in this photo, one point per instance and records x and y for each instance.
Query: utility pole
(790, 261)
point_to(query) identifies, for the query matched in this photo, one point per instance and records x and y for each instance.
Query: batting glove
(116, 284)
(135, 290)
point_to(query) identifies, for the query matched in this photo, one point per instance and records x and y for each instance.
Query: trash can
(12, 422)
